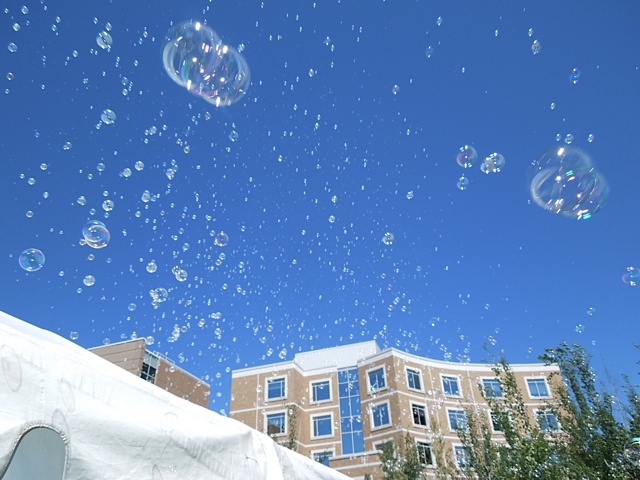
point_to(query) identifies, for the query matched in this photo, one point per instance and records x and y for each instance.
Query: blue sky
(308, 172)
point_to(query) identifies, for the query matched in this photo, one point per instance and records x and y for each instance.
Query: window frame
(312, 390)
(493, 415)
(484, 387)
(456, 448)
(429, 445)
(537, 379)
(371, 389)
(413, 418)
(285, 429)
(372, 417)
(545, 411)
(312, 430)
(419, 373)
(331, 451)
(458, 383)
(449, 410)
(269, 380)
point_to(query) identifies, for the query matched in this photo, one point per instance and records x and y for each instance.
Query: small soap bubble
(31, 260)
(591, 311)
(410, 195)
(12, 47)
(631, 276)
(429, 51)
(152, 267)
(159, 295)
(530, 32)
(96, 235)
(67, 146)
(139, 165)
(100, 167)
(574, 76)
(632, 451)
(591, 138)
(89, 280)
(196, 59)
(568, 139)
(579, 328)
(439, 21)
(388, 238)
(222, 239)
(462, 183)
(74, 335)
(552, 106)
(493, 163)
(104, 40)
(233, 136)
(107, 205)
(535, 47)
(312, 72)
(16, 27)
(24, 9)
(332, 219)
(9, 76)
(395, 89)
(466, 156)
(108, 117)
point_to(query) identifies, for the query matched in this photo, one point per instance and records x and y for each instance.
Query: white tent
(67, 413)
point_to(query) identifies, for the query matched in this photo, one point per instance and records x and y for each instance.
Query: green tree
(402, 463)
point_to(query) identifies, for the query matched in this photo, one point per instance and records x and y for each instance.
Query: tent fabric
(117, 426)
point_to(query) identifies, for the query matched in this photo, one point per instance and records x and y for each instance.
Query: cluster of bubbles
(95, 234)
(564, 180)
(195, 58)
(31, 260)
(180, 274)
(466, 158)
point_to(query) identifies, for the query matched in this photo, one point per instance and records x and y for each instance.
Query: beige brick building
(340, 404)
(133, 356)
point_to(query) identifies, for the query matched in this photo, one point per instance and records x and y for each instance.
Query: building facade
(133, 356)
(339, 405)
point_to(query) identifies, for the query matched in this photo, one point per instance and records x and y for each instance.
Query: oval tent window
(41, 453)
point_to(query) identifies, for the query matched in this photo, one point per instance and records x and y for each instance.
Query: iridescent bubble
(152, 267)
(564, 180)
(96, 234)
(159, 295)
(89, 280)
(632, 451)
(388, 238)
(631, 276)
(467, 155)
(493, 163)
(31, 260)
(462, 183)
(535, 47)
(108, 117)
(195, 58)
(107, 205)
(222, 239)
(574, 76)
(104, 40)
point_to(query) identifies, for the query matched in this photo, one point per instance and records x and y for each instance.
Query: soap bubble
(466, 156)
(159, 295)
(31, 260)
(388, 238)
(535, 47)
(462, 183)
(222, 239)
(493, 163)
(632, 451)
(195, 58)
(564, 180)
(89, 280)
(631, 276)
(108, 117)
(104, 40)
(574, 76)
(152, 266)
(96, 234)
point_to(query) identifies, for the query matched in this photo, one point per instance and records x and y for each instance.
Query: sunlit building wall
(339, 405)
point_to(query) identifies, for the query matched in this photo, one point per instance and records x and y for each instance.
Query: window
(149, 367)
(492, 387)
(376, 379)
(380, 415)
(322, 425)
(419, 414)
(425, 454)
(323, 457)
(547, 421)
(450, 386)
(276, 388)
(350, 411)
(276, 424)
(460, 455)
(414, 379)
(457, 419)
(496, 423)
(321, 391)
(537, 387)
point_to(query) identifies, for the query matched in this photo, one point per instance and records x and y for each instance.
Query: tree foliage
(403, 462)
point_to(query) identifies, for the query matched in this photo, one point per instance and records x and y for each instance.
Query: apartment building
(339, 405)
(155, 368)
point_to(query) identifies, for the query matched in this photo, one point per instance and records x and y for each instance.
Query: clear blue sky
(322, 167)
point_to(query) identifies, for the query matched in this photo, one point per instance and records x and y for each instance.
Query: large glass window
(321, 391)
(450, 386)
(350, 411)
(419, 414)
(380, 415)
(460, 455)
(149, 367)
(496, 423)
(425, 453)
(276, 388)
(323, 457)
(492, 387)
(322, 425)
(377, 380)
(547, 421)
(538, 387)
(414, 379)
(276, 424)
(457, 419)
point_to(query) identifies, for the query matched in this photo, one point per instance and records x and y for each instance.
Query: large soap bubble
(96, 235)
(31, 260)
(564, 180)
(195, 58)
